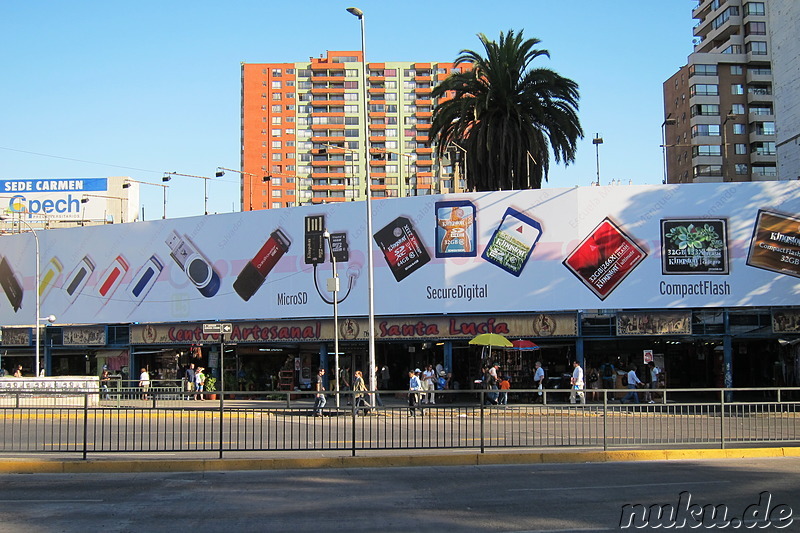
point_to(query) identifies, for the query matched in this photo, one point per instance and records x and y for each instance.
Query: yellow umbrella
(491, 339)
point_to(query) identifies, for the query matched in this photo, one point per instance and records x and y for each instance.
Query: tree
(507, 116)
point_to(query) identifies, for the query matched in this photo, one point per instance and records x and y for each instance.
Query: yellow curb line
(76, 466)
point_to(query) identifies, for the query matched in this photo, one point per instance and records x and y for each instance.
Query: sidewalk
(208, 462)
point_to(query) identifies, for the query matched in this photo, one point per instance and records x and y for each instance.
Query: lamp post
(370, 275)
(528, 160)
(465, 159)
(37, 309)
(728, 117)
(85, 199)
(264, 179)
(667, 122)
(333, 286)
(597, 141)
(168, 176)
(128, 181)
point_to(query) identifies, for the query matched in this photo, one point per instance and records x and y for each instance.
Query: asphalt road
(520, 498)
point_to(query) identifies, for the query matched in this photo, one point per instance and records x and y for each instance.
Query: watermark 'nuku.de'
(691, 515)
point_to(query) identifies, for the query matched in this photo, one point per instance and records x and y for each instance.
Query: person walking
(319, 399)
(654, 372)
(538, 381)
(414, 386)
(633, 382)
(577, 383)
(189, 375)
(144, 382)
(427, 385)
(105, 379)
(199, 382)
(360, 389)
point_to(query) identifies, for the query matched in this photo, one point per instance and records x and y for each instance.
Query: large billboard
(527, 251)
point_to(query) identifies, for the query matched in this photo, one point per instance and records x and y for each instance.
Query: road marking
(602, 487)
(51, 501)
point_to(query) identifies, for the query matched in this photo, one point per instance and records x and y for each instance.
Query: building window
(740, 149)
(765, 170)
(737, 88)
(757, 48)
(276, 84)
(741, 169)
(276, 132)
(704, 89)
(276, 96)
(737, 109)
(276, 72)
(277, 157)
(764, 128)
(737, 70)
(705, 130)
(739, 129)
(707, 170)
(706, 149)
(708, 110)
(754, 8)
(762, 148)
(755, 28)
(760, 90)
(276, 145)
(701, 70)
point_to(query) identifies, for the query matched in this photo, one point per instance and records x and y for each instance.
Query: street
(519, 498)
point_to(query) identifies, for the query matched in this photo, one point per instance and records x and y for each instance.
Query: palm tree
(507, 116)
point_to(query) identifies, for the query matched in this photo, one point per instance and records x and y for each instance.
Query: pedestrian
(414, 386)
(105, 379)
(376, 394)
(189, 375)
(577, 383)
(654, 373)
(492, 384)
(505, 385)
(360, 388)
(385, 376)
(319, 399)
(18, 371)
(633, 382)
(609, 374)
(144, 382)
(344, 381)
(428, 377)
(538, 380)
(199, 383)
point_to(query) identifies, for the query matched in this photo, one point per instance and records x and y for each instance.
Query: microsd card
(402, 247)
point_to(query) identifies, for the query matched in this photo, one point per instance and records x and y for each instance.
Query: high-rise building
(719, 109)
(784, 26)
(303, 136)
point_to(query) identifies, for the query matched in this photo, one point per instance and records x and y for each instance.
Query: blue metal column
(448, 356)
(579, 356)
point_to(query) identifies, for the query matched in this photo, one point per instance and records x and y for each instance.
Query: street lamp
(333, 286)
(373, 385)
(597, 141)
(37, 310)
(128, 181)
(528, 160)
(168, 176)
(85, 200)
(728, 117)
(264, 179)
(667, 122)
(464, 159)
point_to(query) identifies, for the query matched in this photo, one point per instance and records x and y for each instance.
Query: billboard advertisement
(70, 199)
(542, 251)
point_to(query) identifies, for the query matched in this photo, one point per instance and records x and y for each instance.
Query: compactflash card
(513, 241)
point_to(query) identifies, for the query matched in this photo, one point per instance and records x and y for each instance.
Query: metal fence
(87, 422)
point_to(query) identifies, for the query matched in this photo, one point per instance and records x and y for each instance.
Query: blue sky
(92, 89)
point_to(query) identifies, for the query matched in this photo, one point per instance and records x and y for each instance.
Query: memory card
(402, 248)
(513, 241)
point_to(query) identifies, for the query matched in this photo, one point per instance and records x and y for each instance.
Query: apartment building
(784, 26)
(719, 109)
(303, 135)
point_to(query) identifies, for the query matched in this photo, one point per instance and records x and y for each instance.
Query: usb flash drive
(50, 277)
(112, 277)
(255, 271)
(144, 280)
(196, 266)
(11, 285)
(78, 278)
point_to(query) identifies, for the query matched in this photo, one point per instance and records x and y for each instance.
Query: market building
(702, 278)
